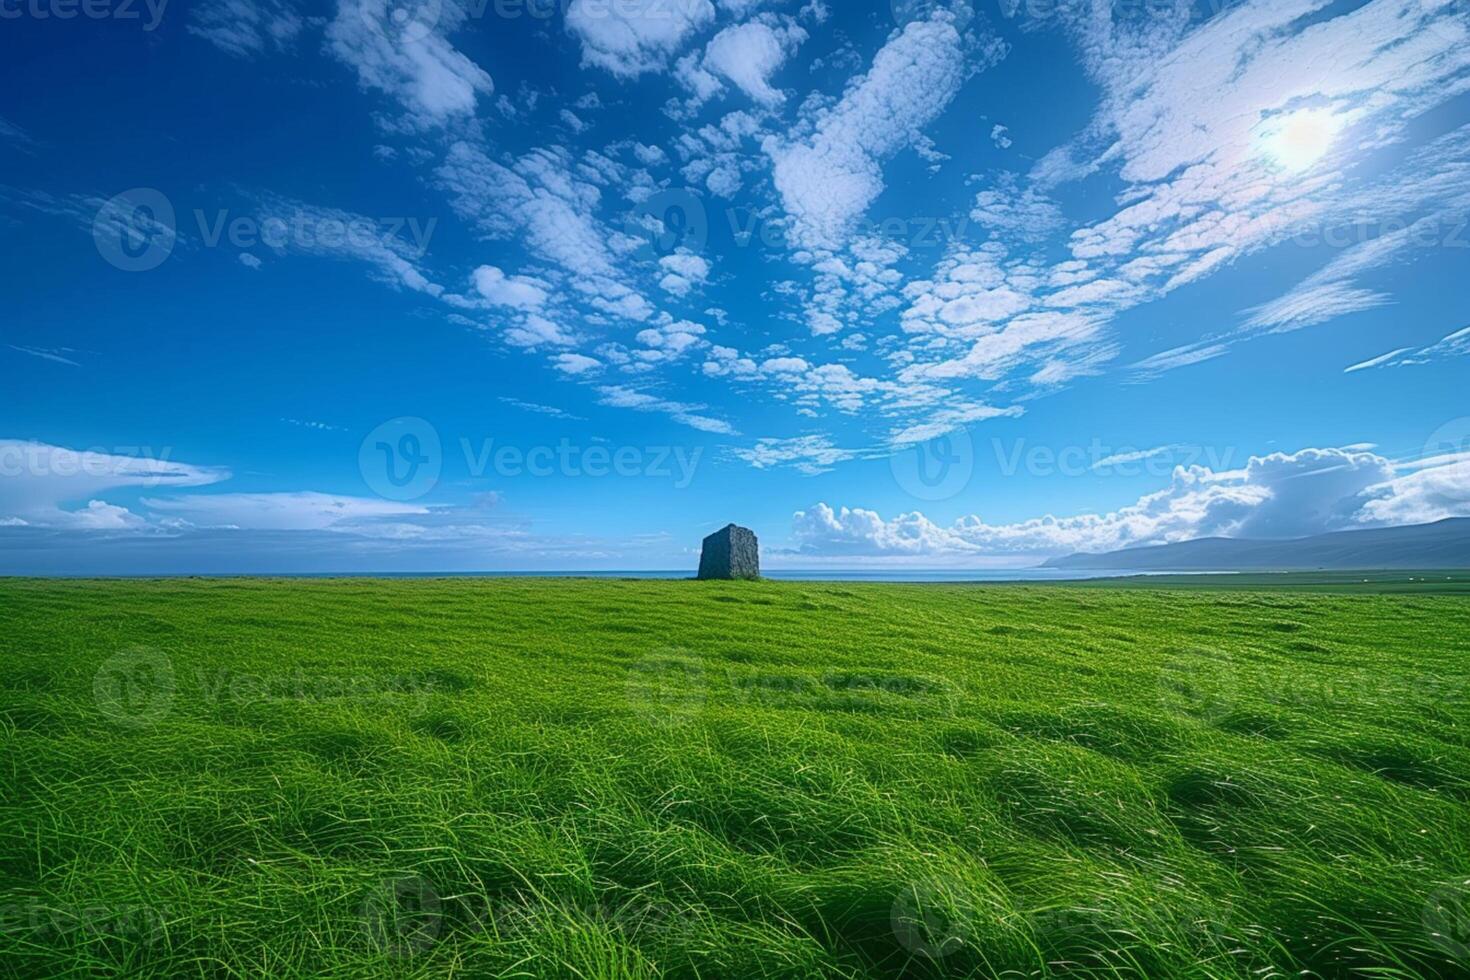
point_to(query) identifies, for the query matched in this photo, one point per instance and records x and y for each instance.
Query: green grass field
(517, 778)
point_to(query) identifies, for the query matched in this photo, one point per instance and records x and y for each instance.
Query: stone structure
(731, 552)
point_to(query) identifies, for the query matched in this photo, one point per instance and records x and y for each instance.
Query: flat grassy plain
(520, 778)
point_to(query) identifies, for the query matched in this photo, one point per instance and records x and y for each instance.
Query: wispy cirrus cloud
(14, 135)
(246, 28)
(392, 257)
(1191, 118)
(1456, 344)
(620, 396)
(56, 355)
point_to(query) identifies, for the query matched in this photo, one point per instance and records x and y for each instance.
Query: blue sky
(558, 285)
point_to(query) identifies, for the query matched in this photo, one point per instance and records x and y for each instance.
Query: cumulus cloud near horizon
(55, 518)
(1279, 496)
(42, 485)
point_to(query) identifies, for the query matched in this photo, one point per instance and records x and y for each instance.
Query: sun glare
(1297, 141)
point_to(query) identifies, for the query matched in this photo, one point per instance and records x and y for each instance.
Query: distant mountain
(1422, 546)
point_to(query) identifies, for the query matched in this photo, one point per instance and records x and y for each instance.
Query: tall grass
(674, 779)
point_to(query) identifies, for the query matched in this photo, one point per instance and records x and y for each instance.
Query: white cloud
(785, 365)
(539, 409)
(631, 37)
(726, 362)
(412, 61)
(1426, 494)
(1028, 338)
(683, 270)
(748, 55)
(946, 420)
(516, 292)
(811, 455)
(1378, 361)
(670, 339)
(10, 131)
(828, 177)
(43, 485)
(56, 355)
(1178, 357)
(576, 364)
(1456, 344)
(1307, 307)
(1187, 119)
(650, 156)
(1278, 496)
(1016, 214)
(573, 121)
(297, 511)
(246, 28)
(617, 396)
(293, 226)
(555, 212)
(535, 331)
